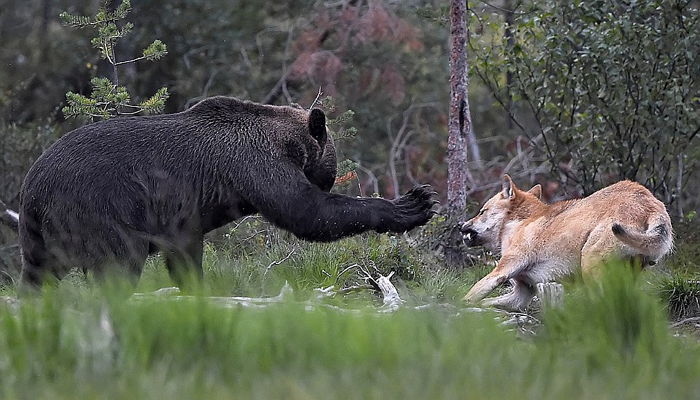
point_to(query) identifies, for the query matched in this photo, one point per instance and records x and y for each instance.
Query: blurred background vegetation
(573, 95)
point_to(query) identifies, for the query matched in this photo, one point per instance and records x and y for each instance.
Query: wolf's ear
(508, 191)
(537, 191)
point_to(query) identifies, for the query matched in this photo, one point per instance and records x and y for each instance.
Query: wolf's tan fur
(542, 242)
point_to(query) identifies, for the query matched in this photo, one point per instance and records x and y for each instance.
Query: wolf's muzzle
(469, 235)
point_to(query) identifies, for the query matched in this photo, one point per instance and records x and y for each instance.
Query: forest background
(573, 95)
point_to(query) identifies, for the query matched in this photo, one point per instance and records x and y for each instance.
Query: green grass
(241, 266)
(681, 294)
(608, 341)
(81, 340)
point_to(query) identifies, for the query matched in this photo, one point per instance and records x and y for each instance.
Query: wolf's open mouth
(470, 237)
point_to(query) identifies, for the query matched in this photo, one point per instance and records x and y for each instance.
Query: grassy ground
(608, 341)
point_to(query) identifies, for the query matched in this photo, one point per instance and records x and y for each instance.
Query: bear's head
(321, 172)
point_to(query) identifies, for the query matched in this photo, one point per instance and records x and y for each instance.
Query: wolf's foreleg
(507, 268)
(516, 300)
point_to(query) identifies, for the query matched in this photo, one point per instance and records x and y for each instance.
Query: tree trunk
(459, 117)
(510, 42)
(458, 133)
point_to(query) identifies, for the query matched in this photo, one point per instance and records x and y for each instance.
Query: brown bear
(108, 194)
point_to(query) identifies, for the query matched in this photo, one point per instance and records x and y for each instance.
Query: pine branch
(155, 103)
(107, 98)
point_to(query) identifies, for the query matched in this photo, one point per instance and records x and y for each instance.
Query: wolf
(541, 242)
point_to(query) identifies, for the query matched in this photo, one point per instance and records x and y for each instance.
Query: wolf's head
(509, 205)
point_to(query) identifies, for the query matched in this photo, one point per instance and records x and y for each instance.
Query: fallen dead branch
(525, 323)
(275, 263)
(686, 321)
(382, 284)
(172, 293)
(8, 217)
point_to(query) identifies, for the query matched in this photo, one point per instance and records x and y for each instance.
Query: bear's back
(185, 146)
(101, 150)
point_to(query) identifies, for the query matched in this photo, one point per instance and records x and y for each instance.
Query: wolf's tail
(653, 243)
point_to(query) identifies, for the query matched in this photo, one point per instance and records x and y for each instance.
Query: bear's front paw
(415, 208)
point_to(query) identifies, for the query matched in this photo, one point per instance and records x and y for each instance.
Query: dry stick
(281, 85)
(276, 90)
(8, 217)
(354, 288)
(394, 148)
(318, 95)
(239, 223)
(685, 321)
(372, 177)
(234, 301)
(274, 263)
(322, 293)
(392, 301)
(250, 302)
(346, 269)
(383, 284)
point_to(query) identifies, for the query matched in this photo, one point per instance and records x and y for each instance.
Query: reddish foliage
(380, 25)
(320, 67)
(352, 175)
(352, 27)
(393, 84)
(368, 80)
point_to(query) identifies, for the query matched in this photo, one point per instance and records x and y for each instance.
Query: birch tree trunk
(459, 116)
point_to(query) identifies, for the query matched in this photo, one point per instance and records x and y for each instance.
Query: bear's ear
(317, 125)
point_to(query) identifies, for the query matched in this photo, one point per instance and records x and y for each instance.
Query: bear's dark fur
(110, 193)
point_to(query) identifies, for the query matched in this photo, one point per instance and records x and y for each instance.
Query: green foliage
(439, 15)
(102, 17)
(108, 98)
(341, 125)
(613, 88)
(20, 146)
(155, 103)
(614, 316)
(108, 32)
(686, 253)
(265, 257)
(341, 129)
(155, 51)
(681, 294)
(608, 341)
(346, 166)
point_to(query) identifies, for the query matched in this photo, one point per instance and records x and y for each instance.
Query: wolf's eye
(483, 210)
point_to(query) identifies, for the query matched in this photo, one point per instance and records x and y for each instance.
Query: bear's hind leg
(184, 260)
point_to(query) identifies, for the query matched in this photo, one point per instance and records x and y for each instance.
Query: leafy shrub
(611, 88)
